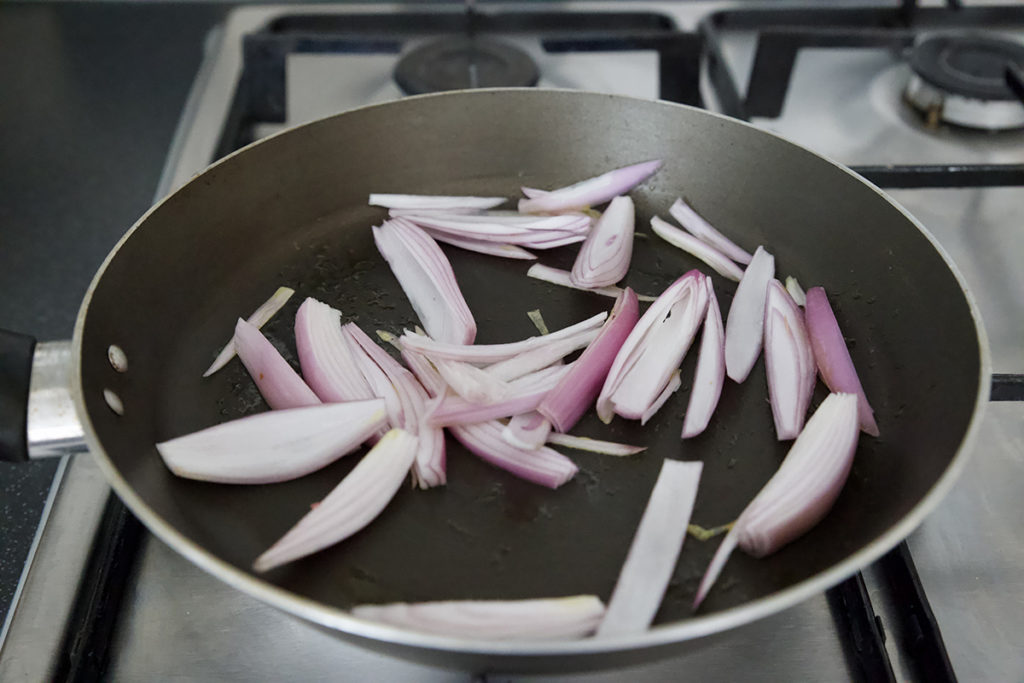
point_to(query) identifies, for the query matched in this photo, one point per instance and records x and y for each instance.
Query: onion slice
(427, 279)
(592, 191)
(425, 372)
(544, 618)
(744, 326)
(433, 202)
(274, 446)
(351, 505)
(577, 390)
(277, 381)
(470, 382)
(833, 358)
(604, 257)
(527, 430)
(428, 470)
(672, 387)
(540, 357)
(710, 374)
(654, 550)
(796, 291)
(328, 364)
(526, 393)
(788, 361)
(585, 443)
(539, 232)
(705, 232)
(654, 349)
(492, 353)
(499, 249)
(260, 317)
(721, 263)
(542, 465)
(557, 276)
(800, 493)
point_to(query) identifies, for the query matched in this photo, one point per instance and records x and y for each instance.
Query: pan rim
(666, 634)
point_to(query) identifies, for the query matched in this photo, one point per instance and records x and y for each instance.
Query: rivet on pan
(113, 401)
(118, 359)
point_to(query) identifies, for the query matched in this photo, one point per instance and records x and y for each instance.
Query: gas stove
(877, 88)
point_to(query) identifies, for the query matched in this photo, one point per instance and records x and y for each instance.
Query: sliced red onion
(428, 470)
(492, 353)
(327, 362)
(425, 372)
(278, 445)
(541, 619)
(585, 443)
(427, 279)
(833, 358)
(577, 390)
(654, 349)
(470, 382)
(710, 374)
(592, 191)
(541, 356)
(705, 232)
(353, 503)
(499, 249)
(557, 276)
(788, 361)
(526, 393)
(527, 430)
(279, 384)
(744, 326)
(542, 465)
(672, 387)
(260, 317)
(800, 493)
(456, 410)
(693, 246)
(653, 553)
(433, 202)
(533, 192)
(604, 257)
(539, 232)
(796, 291)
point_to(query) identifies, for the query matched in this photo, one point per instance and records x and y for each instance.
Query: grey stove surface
(181, 624)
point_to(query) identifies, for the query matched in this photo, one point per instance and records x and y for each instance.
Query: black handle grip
(15, 372)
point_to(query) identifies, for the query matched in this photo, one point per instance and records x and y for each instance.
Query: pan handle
(37, 414)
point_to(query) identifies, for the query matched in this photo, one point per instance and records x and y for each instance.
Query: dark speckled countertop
(90, 95)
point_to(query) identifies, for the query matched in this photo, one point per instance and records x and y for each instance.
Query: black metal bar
(861, 632)
(776, 54)
(919, 631)
(265, 56)
(728, 95)
(939, 176)
(678, 58)
(1007, 388)
(86, 647)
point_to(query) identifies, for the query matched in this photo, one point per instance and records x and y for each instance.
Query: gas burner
(960, 79)
(464, 62)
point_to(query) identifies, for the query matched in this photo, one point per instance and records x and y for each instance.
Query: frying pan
(292, 210)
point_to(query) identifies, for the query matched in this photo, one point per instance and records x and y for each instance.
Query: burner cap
(967, 65)
(461, 62)
(960, 79)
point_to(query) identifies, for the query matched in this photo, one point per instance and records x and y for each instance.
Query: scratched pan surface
(292, 210)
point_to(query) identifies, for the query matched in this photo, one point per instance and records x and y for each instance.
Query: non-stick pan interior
(292, 211)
